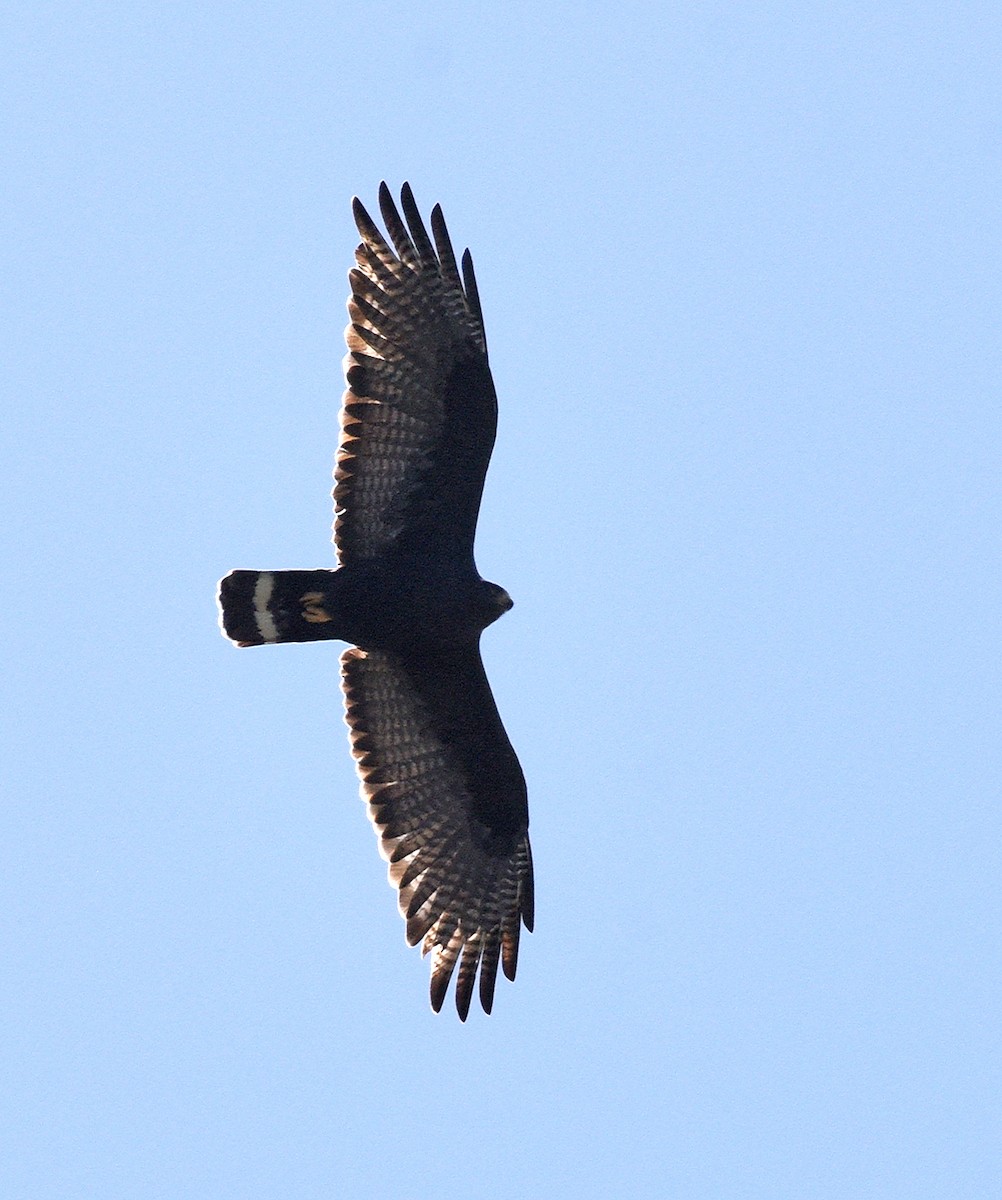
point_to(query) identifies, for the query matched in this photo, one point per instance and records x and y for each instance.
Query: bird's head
(496, 601)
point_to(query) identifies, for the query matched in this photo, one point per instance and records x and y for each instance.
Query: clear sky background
(740, 266)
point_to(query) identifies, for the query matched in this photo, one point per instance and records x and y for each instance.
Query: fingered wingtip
(463, 1004)
(361, 214)
(437, 992)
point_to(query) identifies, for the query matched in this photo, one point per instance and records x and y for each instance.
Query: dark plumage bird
(444, 788)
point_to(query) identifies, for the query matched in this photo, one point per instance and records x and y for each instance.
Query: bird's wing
(447, 797)
(419, 415)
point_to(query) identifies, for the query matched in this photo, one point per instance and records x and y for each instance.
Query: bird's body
(378, 605)
(444, 787)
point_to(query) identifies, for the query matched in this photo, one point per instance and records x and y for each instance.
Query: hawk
(444, 788)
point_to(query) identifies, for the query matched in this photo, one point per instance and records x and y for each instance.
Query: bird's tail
(260, 607)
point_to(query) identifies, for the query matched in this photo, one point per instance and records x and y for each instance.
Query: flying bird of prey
(444, 788)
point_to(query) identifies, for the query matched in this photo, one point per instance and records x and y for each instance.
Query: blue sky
(740, 268)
